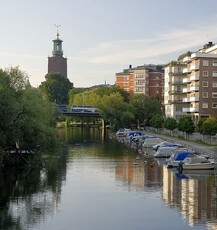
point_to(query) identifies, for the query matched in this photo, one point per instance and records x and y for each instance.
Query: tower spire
(57, 44)
(57, 26)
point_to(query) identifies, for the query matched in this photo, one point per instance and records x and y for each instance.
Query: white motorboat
(177, 157)
(164, 152)
(149, 142)
(122, 132)
(197, 163)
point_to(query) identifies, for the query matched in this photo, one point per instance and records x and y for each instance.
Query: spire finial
(57, 26)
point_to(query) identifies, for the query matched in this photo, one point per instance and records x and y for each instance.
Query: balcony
(194, 77)
(176, 82)
(194, 110)
(186, 80)
(194, 88)
(186, 99)
(175, 91)
(186, 59)
(178, 101)
(186, 110)
(194, 67)
(192, 99)
(185, 70)
(186, 90)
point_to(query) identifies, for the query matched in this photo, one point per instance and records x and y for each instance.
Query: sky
(102, 37)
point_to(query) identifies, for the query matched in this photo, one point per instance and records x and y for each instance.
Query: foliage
(170, 123)
(56, 88)
(26, 118)
(210, 126)
(73, 92)
(186, 124)
(102, 91)
(199, 126)
(114, 110)
(157, 121)
(145, 107)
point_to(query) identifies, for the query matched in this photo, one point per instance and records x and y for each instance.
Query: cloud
(160, 44)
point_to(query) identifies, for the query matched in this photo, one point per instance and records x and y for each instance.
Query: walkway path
(199, 148)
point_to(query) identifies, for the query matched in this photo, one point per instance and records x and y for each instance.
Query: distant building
(57, 63)
(145, 79)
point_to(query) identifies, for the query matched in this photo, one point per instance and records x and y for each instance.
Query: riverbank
(202, 149)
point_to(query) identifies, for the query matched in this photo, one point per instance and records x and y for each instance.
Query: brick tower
(57, 63)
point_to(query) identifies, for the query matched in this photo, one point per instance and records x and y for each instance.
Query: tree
(209, 126)
(114, 110)
(56, 88)
(170, 123)
(26, 118)
(101, 91)
(144, 107)
(186, 125)
(199, 126)
(156, 121)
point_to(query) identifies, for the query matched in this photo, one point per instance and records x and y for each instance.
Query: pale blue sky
(102, 37)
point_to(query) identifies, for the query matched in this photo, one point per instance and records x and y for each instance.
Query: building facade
(145, 79)
(174, 97)
(57, 63)
(201, 78)
(190, 86)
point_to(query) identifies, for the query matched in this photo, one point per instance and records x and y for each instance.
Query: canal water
(93, 184)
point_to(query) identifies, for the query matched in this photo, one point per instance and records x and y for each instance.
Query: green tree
(157, 121)
(26, 118)
(199, 126)
(56, 88)
(170, 123)
(186, 125)
(144, 107)
(114, 110)
(210, 126)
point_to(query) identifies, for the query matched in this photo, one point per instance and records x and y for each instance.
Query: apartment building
(145, 79)
(174, 97)
(191, 84)
(201, 78)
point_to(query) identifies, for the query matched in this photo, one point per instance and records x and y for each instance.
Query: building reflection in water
(195, 195)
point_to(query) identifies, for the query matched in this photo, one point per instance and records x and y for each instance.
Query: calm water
(94, 185)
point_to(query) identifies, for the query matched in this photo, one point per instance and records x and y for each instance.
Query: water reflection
(194, 193)
(29, 198)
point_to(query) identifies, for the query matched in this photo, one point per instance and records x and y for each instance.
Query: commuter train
(83, 108)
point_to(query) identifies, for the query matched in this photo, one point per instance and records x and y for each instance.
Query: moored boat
(177, 157)
(165, 152)
(197, 163)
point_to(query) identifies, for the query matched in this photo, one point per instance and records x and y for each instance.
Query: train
(83, 108)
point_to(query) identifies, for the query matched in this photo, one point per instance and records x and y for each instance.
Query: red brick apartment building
(145, 79)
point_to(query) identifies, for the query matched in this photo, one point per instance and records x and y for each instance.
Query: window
(205, 73)
(205, 95)
(205, 83)
(205, 105)
(214, 84)
(214, 63)
(214, 73)
(214, 105)
(214, 94)
(126, 84)
(205, 62)
(126, 77)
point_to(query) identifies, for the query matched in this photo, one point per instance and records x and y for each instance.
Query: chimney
(130, 66)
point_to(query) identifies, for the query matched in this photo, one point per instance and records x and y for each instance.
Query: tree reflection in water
(28, 196)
